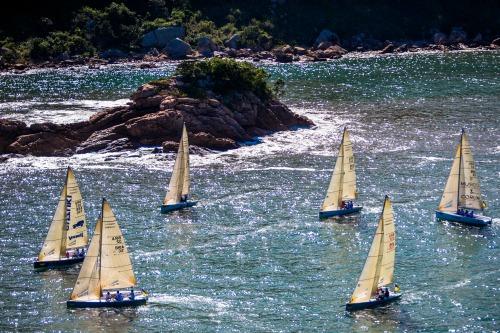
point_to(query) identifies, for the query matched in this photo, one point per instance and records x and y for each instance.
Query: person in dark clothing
(108, 297)
(386, 294)
(132, 295)
(119, 296)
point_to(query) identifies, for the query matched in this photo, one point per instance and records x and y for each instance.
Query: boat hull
(372, 304)
(104, 304)
(181, 205)
(42, 265)
(476, 221)
(339, 212)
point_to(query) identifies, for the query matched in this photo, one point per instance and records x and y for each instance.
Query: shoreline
(276, 56)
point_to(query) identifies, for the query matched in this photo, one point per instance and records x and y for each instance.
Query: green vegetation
(38, 30)
(223, 76)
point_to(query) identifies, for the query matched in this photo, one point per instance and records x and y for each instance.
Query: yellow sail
(462, 188)
(470, 194)
(87, 285)
(76, 222)
(179, 181)
(343, 182)
(449, 200)
(53, 246)
(116, 268)
(379, 266)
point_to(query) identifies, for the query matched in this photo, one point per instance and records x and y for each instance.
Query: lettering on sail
(119, 249)
(76, 236)
(68, 211)
(79, 207)
(117, 239)
(392, 244)
(78, 224)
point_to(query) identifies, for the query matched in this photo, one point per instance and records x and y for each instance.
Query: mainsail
(68, 229)
(107, 264)
(343, 182)
(462, 188)
(379, 266)
(76, 224)
(116, 268)
(179, 182)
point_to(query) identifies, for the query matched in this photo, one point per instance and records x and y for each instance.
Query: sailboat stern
(476, 221)
(177, 206)
(372, 303)
(55, 264)
(339, 212)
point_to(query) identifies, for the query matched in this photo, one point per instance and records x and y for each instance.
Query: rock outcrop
(159, 38)
(154, 117)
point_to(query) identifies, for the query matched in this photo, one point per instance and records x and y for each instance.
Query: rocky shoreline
(326, 47)
(154, 117)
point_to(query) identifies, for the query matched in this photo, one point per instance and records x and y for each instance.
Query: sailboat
(462, 192)
(342, 184)
(178, 188)
(106, 278)
(67, 237)
(379, 266)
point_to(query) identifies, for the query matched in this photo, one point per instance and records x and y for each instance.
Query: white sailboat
(67, 236)
(342, 188)
(106, 278)
(378, 271)
(462, 194)
(178, 188)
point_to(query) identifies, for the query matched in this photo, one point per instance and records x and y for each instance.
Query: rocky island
(222, 102)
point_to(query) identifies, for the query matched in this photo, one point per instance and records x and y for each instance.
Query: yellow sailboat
(106, 278)
(178, 188)
(342, 188)
(462, 194)
(67, 237)
(371, 290)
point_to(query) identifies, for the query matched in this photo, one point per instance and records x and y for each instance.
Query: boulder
(42, 144)
(113, 54)
(401, 48)
(457, 35)
(234, 41)
(160, 37)
(178, 49)
(206, 47)
(283, 57)
(388, 49)
(495, 42)
(299, 50)
(207, 140)
(439, 38)
(326, 35)
(324, 45)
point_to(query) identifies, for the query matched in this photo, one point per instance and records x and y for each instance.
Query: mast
(460, 167)
(341, 187)
(65, 224)
(100, 248)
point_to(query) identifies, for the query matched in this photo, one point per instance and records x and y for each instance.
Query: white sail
(116, 268)
(76, 222)
(343, 182)
(179, 181)
(87, 285)
(379, 266)
(53, 245)
(470, 193)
